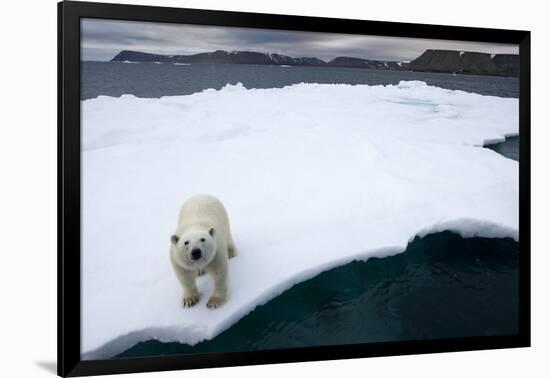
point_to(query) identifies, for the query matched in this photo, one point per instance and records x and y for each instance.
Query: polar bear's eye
(186, 242)
(202, 240)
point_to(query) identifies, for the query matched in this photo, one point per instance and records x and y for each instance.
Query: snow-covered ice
(313, 176)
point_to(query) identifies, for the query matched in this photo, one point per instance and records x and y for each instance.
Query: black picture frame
(69, 15)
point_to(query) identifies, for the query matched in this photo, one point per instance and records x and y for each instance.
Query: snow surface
(313, 176)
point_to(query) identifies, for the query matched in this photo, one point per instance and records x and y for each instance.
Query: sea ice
(313, 176)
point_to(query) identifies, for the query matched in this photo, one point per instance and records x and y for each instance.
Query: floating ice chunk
(411, 84)
(233, 87)
(313, 176)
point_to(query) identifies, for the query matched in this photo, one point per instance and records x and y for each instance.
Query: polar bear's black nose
(196, 254)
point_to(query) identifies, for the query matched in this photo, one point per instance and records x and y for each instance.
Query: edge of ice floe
(491, 141)
(465, 227)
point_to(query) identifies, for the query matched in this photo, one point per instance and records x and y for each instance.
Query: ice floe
(313, 176)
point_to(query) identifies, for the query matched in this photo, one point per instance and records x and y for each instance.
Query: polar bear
(202, 243)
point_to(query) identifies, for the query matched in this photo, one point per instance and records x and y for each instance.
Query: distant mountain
(136, 56)
(448, 61)
(466, 62)
(345, 61)
(507, 63)
(250, 57)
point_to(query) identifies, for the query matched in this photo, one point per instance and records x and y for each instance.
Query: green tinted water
(509, 148)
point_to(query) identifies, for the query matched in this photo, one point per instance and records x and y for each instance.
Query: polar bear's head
(194, 249)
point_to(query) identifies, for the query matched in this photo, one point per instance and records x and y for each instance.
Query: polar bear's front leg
(219, 273)
(219, 296)
(191, 295)
(187, 280)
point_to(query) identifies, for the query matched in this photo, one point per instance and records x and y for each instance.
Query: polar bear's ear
(212, 232)
(174, 239)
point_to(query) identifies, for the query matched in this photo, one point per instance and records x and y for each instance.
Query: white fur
(204, 225)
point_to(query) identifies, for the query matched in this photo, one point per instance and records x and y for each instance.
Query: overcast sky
(103, 39)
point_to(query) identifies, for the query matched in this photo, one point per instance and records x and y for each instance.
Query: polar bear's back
(204, 211)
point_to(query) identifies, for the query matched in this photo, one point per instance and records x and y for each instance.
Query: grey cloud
(102, 39)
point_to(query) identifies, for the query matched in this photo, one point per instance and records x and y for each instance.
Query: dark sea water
(157, 80)
(509, 148)
(442, 286)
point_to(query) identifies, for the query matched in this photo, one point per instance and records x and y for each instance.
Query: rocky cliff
(466, 62)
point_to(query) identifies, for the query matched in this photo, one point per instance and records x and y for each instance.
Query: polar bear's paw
(215, 302)
(190, 301)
